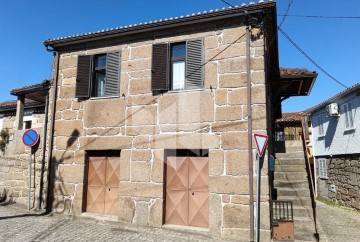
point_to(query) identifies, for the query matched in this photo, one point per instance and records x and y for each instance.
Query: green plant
(4, 135)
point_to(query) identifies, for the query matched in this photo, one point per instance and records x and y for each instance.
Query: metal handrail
(310, 175)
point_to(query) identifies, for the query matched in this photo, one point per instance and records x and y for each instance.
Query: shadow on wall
(330, 131)
(56, 188)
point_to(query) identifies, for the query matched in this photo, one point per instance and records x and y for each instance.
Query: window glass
(100, 74)
(100, 61)
(178, 53)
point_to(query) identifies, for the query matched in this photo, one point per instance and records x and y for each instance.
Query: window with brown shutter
(98, 75)
(178, 66)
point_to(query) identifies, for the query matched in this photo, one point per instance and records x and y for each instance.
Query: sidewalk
(337, 223)
(17, 224)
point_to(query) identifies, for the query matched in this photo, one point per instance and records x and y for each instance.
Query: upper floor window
(178, 66)
(320, 125)
(349, 118)
(98, 75)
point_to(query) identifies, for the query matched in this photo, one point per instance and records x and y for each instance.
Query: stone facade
(344, 174)
(144, 126)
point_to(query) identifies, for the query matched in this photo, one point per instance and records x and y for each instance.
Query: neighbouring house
(152, 123)
(336, 144)
(16, 116)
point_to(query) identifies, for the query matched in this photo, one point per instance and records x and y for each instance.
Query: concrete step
(297, 201)
(301, 192)
(289, 155)
(291, 183)
(300, 211)
(290, 161)
(304, 230)
(294, 149)
(280, 175)
(290, 168)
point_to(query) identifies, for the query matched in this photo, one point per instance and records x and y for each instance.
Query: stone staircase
(292, 185)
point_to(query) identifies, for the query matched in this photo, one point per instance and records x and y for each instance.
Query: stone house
(152, 123)
(336, 145)
(29, 111)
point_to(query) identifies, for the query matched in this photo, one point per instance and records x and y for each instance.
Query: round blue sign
(30, 137)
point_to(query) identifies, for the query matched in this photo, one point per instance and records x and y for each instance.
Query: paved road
(338, 224)
(17, 224)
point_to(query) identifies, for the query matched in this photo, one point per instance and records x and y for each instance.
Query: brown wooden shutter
(160, 67)
(83, 76)
(194, 64)
(112, 74)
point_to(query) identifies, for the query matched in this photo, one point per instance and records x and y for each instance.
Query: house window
(349, 118)
(177, 66)
(98, 75)
(322, 168)
(27, 124)
(320, 125)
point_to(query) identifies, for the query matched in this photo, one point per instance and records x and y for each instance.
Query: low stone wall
(344, 174)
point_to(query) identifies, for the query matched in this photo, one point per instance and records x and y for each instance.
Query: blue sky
(332, 43)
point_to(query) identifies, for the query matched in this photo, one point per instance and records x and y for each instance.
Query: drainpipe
(249, 111)
(52, 126)
(44, 146)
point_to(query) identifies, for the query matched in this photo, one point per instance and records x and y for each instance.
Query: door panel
(199, 209)
(113, 171)
(187, 191)
(97, 168)
(177, 203)
(95, 199)
(112, 205)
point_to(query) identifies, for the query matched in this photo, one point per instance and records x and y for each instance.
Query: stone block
(141, 142)
(258, 77)
(216, 162)
(66, 62)
(257, 64)
(211, 75)
(68, 128)
(64, 189)
(140, 86)
(237, 162)
(215, 214)
(142, 115)
(232, 233)
(141, 213)
(127, 209)
(229, 126)
(79, 157)
(221, 97)
(63, 157)
(63, 104)
(140, 74)
(141, 155)
(125, 165)
(68, 115)
(124, 84)
(258, 94)
(67, 92)
(185, 141)
(233, 80)
(66, 143)
(231, 185)
(233, 65)
(234, 34)
(226, 51)
(103, 131)
(105, 143)
(240, 199)
(157, 171)
(69, 81)
(104, 113)
(234, 140)
(143, 51)
(235, 216)
(136, 65)
(142, 130)
(228, 113)
(156, 213)
(186, 107)
(238, 96)
(137, 100)
(259, 117)
(68, 73)
(148, 189)
(140, 171)
(70, 173)
(211, 42)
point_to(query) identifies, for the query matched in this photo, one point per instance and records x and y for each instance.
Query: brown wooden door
(103, 185)
(187, 192)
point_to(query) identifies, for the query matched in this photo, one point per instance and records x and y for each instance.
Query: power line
(286, 12)
(318, 16)
(310, 59)
(227, 3)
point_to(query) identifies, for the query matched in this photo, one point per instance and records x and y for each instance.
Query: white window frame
(1, 122)
(323, 174)
(320, 120)
(27, 118)
(349, 116)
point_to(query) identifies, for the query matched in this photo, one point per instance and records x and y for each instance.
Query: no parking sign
(30, 137)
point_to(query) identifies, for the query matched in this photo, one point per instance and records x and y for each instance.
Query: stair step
(279, 175)
(291, 183)
(290, 168)
(290, 161)
(301, 192)
(300, 211)
(289, 155)
(294, 149)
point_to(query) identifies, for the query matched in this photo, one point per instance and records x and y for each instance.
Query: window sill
(348, 130)
(186, 90)
(105, 97)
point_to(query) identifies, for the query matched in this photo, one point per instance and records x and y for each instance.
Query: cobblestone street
(17, 224)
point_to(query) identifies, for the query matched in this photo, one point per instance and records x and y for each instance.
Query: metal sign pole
(258, 180)
(29, 192)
